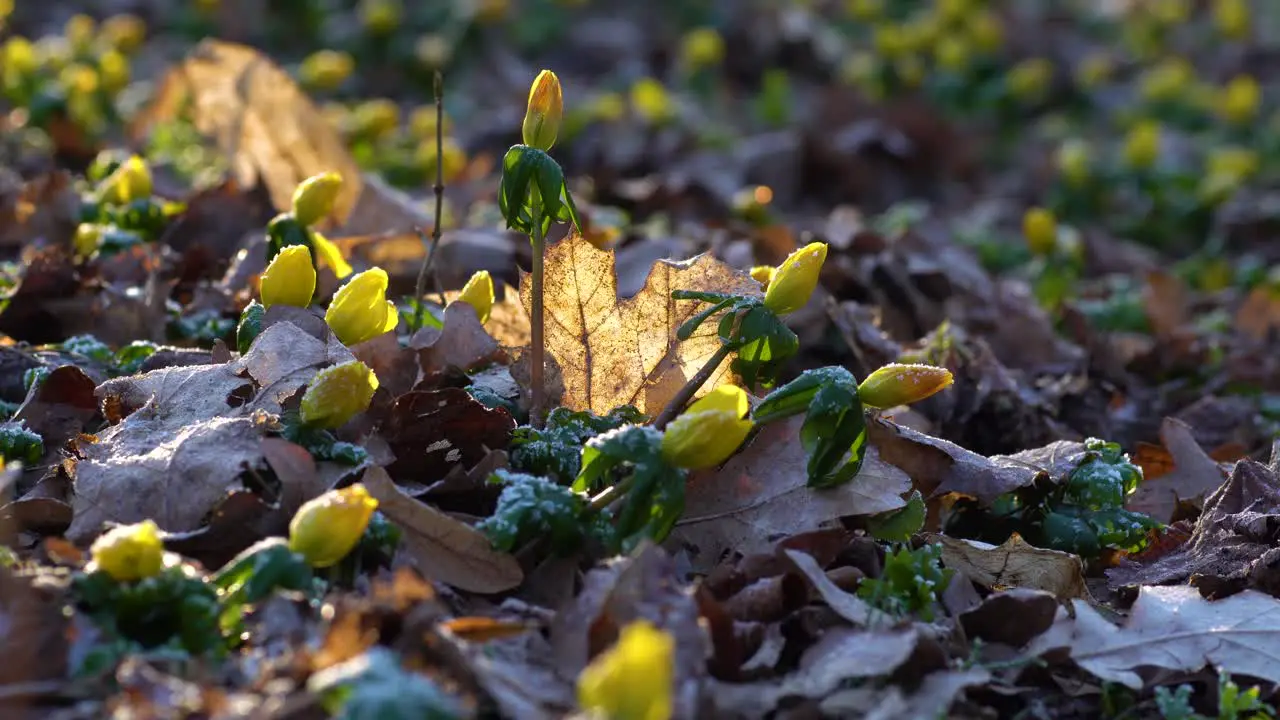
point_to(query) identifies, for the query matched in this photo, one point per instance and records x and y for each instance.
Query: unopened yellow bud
(708, 432)
(865, 10)
(290, 278)
(1231, 17)
(478, 293)
(131, 181)
(422, 123)
(1142, 145)
(360, 309)
(986, 31)
(80, 31)
(1240, 100)
(86, 238)
(952, 53)
(702, 47)
(326, 69)
(380, 16)
(113, 71)
(1040, 228)
(314, 197)
(763, 274)
(1170, 12)
(125, 32)
(795, 279)
(634, 679)
(1167, 81)
(129, 552)
(338, 394)
(651, 101)
(376, 118)
(1094, 70)
(546, 108)
(1074, 161)
(328, 527)
(1029, 80)
(608, 107)
(897, 384)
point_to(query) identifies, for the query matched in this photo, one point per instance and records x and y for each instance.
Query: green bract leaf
(910, 582)
(374, 685)
(532, 180)
(249, 326)
(556, 450)
(899, 525)
(632, 444)
(533, 507)
(255, 573)
(20, 444)
(176, 609)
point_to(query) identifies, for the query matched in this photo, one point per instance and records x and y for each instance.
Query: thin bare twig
(420, 289)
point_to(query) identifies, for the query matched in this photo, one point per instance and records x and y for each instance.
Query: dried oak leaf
(762, 494)
(1193, 476)
(58, 408)
(1173, 628)
(615, 352)
(445, 549)
(462, 343)
(266, 125)
(174, 457)
(1015, 563)
(284, 357)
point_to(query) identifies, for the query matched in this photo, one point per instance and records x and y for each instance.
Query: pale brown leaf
(1195, 475)
(615, 352)
(445, 549)
(846, 605)
(1015, 563)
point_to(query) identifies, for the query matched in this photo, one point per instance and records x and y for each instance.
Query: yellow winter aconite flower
(1040, 228)
(478, 293)
(87, 237)
(338, 394)
(545, 111)
(1142, 145)
(314, 197)
(1240, 99)
(124, 32)
(1029, 80)
(794, 280)
(328, 527)
(763, 274)
(330, 255)
(326, 69)
(129, 552)
(290, 278)
(380, 16)
(360, 309)
(455, 158)
(1231, 17)
(433, 50)
(1094, 70)
(651, 101)
(1167, 81)
(131, 181)
(702, 47)
(708, 432)
(113, 71)
(422, 123)
(986, 31)
(608, 107)
(1074, 161)
(634, 679)
(898, 384)
(952, 53)
(1227, 169)
(376, 118)
(80, 31)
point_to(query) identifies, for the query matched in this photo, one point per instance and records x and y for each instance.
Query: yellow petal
(360, 310)
(634, 679)
(546, 108)
(795, 279)
(338, 394)
(314, 197)
(900, 384)
(290, 278)
(729, 398)
(129, 552)
(330, 255)
(478, 293)
(326, 528)
(697, 440)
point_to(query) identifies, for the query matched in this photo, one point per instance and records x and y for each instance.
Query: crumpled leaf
(259, 117)
(1173, 628)
(762, 494)
(445, 549)
(1015, 563)
(175, 455)
(462, 343)
(1195, 474)
(284, 357)
(431, 431)
(846, 605)
(615, 352)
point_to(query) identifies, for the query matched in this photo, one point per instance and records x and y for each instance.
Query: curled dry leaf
(1173, 628)
(1015, 563)
(432, 431)
(259, 117)
(58, 408)
(761, 495)
(462, 343)
(615, 352)
(1012, 617)
(284, 357)
(1194, 475)
(846, 605)
(445, 549)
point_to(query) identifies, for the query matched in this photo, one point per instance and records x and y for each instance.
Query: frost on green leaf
(556, 450)
(34, 376)
(532, 507)
(375, 685)
(128, 360)
(910, 582)
(88, 346)
(19, 443)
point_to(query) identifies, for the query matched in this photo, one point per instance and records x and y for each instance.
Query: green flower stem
(690, 388)
(611, 494)
(537, 339)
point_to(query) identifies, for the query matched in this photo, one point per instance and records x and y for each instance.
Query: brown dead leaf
(173, 458)
(615, 352)
(1259, 315)
(1012, 617)
(284, 357)
(58, 408)
(432, 431)
(240, 520)
(1164, 298)
(761, 495)
(259, 117)
(295, 468)
(445, 549)
(462, 343)
(484, 629)
(1015, 564)
(1173, 628)
(1193, 476)
(846, 605)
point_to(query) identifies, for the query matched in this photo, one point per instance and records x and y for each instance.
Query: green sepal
(249, 326)
(285, 230)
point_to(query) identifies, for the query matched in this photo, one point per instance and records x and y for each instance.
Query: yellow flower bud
(80, 31)
(1227, 169)
(1040, 228)
(455, 158)
(651, 101)
(131, 181)
(290, 278)
(326, 69)
(376, 118)
(952, 53)
(634, 679)
(708, 432)
(113, 70)
(865, 10)
(328, 527)
(1240, 100)
(86, 238)
(702, 47)
(338, 394)
(889, 40)
(1029, 80)
(129, 552)
(422, 123)
(952, 11)
(478, 293)
(1142, 145)
(794, 280)
(125, 33)
(1074, 161)
(1168, 80)
(986, 31)
(314, 197)
(897, 384)
(6, 8)
(546, 108)
(608, 107)
(1231, 17)
(763, 274)
(17, 58)
(1170, 12)
(79, 80)
(380, 16)
(360, 309)
(1094, 70)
